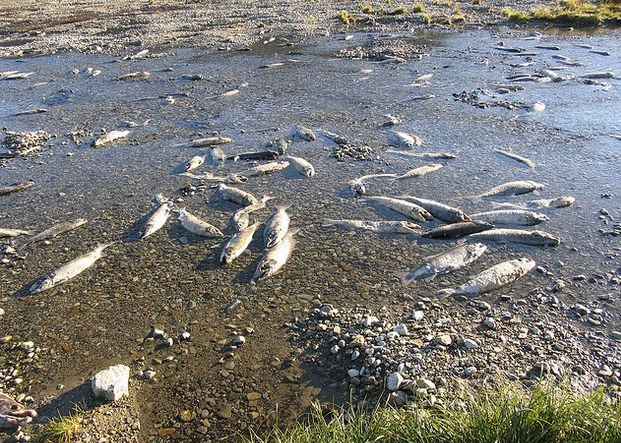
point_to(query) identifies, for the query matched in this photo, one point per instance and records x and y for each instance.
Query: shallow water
(172, 279)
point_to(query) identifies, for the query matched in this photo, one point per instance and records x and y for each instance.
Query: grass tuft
(571, 12)
(399, 10)
(62, 429)
(418, 8)
(365, 8)
(346, 18)
(427, 19)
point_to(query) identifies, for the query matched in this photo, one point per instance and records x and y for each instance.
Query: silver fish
(301, 165)
(559, 202)
(157, 219)
(236, 195)
(439, 210)
(54, 231)
(404, 207)
(241, 220)
(280, 144)
(397, 227)
(237, 244)
(209, 141)
(197, 226)
(358, 186)
(513, 188)
(8, 232)
(533, 238)
(69, 270)
(511, 217)
(455, 230)
(430, 155)
(275, 258)
(109, 137)
(303, 133)
(518, 158)
(492, 278)
(135, 75)
(194, 163)
(267, 168)
(419, 172)
(598, 75)
(276, 227)
(444, 263)
(209, 177)
(16, 187)
(403, 140)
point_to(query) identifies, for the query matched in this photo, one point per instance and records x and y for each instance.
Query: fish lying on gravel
(389, 227)
(492, 278)
(439, 210)
(8, 232)
(208, 141)
(255, 155)
(275, 258)
(135, 76)
(267, 168)
(419, 172)
(69, 270)
(533, 238)
(236, 195)
(109, 137)
(54, 231)
(302, 133)
(598, 75)
(336, 138)
(197, 226)
(141, 54)
(513, 188)
(276, 227)
(403, 207)
(237, 244)
(13, 414)
(16, 187)
(430, 155)
(358, 186)
(403, 140)
(511, 217)
(215, 155)
(559, 202)
(194, 163)
(209, 177)
(158, 217)
(444, 263)
(456, 230)
(518, 158)
(17, 75)
(241, 217)
(301, 165)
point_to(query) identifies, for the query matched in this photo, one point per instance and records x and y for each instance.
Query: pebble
(444, 340)
(353, 373)
(418, 315)
(26, 346)
(424, 383)
(394, 381)
(111, 383)
(1, 312)
(470, 344)
(490, 323)
(185, 416)
(400, 329)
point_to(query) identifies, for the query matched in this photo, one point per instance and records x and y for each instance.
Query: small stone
(353, 373)
(326, 311)
(111, 383)
(484, 306)
(418, 315)
(335, 349)
(355, 354)
(1, 312)
(225, 411)
(369, 320)
(148, 375)
(400, 329)
(470, 344)
(164, 432)
(424, 383)
(185, 416)
(26, 346)
(443, 339)
(394, 381)
(397, 399)
(489, 323)
(253, 396)
(185, 335)
(158, 333)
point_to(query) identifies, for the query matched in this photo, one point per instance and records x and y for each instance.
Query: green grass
(418, 8)
(346, 18)
(399, 10)
(546, 414)
(570, 12)
(366, 8)
(62, 429)
(426, 19)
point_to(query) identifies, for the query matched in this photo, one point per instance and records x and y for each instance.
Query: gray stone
(353, 373)
(490, 323)
(400, 329)
(111, 383)
(394, 381)
(444, 340)
(470, 344)
(424, 383)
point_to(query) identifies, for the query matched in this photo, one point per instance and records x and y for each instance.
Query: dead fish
(276, 227)
(419, 172)
(518, 158)
(235, 195)
(209, 177)
(237, 244)
(423, 97)
(507, 49)
(358, 186)
(31, 112)
(16, 187)
(241, 216)
(403, 140)
(456, 230)
(109, 138)
(275, 258)
(69, 270)
(549, 48)
(8, 232)
(429, 155)
(403, 207)
(520, 236)
(13, 414)
(230, 93)
(513, 188)
(302, 166)
(336, 138)
(492, 278)
(391, 120)
(209, 141)
(93, 72)
(390, 227)
(267, 168)
(598, 75)
(584, 46)
(5, 73)
(604, 53)
(191, 77)
(158, 217)
(256, 155)
(197, 226)
(559, 202)
(302, 133)
(439, 210)
(17, 76)
(216, 155)
(141, 54)
(135, 76)
(194, 163)
(444, 263)
(511, 217)
(54, 231)
(280, 144)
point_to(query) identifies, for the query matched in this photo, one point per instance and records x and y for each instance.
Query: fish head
(226, 256)
(410, 227)
(215, 231)
(42, 285)
(236, 178)
(13, 414)
(547, 239)
(264, 270)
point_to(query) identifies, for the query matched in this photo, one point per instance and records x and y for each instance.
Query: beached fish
(430, 155)
(208, 141)
(197, 226)
(69, 270)
(109, 137)
(54, 231)
(158, 217)
(194, 163)
(236, 195)
(520, 236)
(8, 232)
(301, 165)
(241, 220)
(336, 138)
(404, 207)
(13, 414)
(358, 186)
(275, 258)
(389, 227)
(403, 140)
(141, 54)
(511, 217)
(5, 73)
(267, 168)
(16, 187)
(276, 227)
(17, 76)
(555, 203)
(518, 158)
(303, 133)
(209, 177)
(391, 120)
(255, 155)
(215, 155)
(444, 263)
(135, 76)
(439, 210)
(492, 278)
(513, 188)
(419, 172)
(598, 75)
(456, 230)
(237, 244)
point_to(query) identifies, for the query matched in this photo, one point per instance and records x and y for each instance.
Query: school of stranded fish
(279, 239)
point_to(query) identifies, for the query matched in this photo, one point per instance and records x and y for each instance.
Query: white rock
(26, 346)
(490, 322)
(1, 312)
(355, 354)
(400, 329)
(418, 315)
(369, 320)
(353, 373)
(423, 383)
(185, 335)
(335, 349)
(111, 383)
(394, 381)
